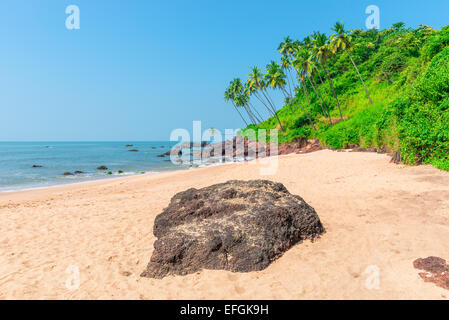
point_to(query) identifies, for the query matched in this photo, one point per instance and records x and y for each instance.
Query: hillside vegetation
(386, 89)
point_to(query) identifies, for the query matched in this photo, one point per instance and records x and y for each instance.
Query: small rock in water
(68, 174)
(102, 168)
(240, 226)
(37, 166)
(133, 150)
(129, 145)
(78, 172)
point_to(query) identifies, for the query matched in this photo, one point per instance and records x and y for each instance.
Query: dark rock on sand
(240, 226)
(436, 271)
(102, 168)
(36, 166)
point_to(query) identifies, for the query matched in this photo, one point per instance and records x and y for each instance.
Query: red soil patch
(437, 271)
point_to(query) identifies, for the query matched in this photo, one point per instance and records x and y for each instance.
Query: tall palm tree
(343, 41)
(286, 49)
(241, 99)
(251, 90)
(228, 95)
(304, 66)
(322, 53)
(275, 78)
(257, 84)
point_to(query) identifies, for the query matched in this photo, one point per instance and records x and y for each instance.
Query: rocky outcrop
(239, 226)
(250, 149)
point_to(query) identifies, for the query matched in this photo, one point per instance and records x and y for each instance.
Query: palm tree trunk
(255, 112)
(332, 88)
(360, 76)
(288, 82)
(246, 123)
(249, 114)
(292, 81)
(321, 101)
(321, 81)
(269, 99)
(274, 110)
(308, 102)
(250, 110)
(270, 112)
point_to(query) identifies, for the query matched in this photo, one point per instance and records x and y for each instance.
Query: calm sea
(56, 158)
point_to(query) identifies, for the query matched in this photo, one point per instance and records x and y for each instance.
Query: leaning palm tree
(256, 84)
(229, 96)
(343, 41)
(276, 78)
(286, 49)
(304, 67)
(322, 53)
(241, 99)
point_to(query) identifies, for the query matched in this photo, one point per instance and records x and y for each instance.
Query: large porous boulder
(239, 226)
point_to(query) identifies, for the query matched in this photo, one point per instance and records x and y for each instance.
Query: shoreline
(124, 176)
(373, 212)
(76, 183)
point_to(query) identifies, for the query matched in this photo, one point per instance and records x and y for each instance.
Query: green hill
(406, 74)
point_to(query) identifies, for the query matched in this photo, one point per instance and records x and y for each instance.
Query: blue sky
(136, 70)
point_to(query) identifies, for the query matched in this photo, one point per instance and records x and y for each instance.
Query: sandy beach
(379, 217)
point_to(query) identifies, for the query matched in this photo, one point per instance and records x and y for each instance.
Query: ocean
(18, 158)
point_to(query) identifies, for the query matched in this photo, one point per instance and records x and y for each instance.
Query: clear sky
(136, 70)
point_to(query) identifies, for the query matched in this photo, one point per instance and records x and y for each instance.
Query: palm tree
(322, 54)
(241, 99)
(343, 41)
(250, 90)
(256, 84)
(304, 67)
(229, 95)
(286, 49)
(275, 78)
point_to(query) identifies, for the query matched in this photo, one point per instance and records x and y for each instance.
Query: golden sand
(379, 218)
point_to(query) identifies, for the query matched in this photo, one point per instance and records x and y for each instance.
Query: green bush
(424, 116)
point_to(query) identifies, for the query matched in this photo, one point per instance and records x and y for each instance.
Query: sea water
(56, 158)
